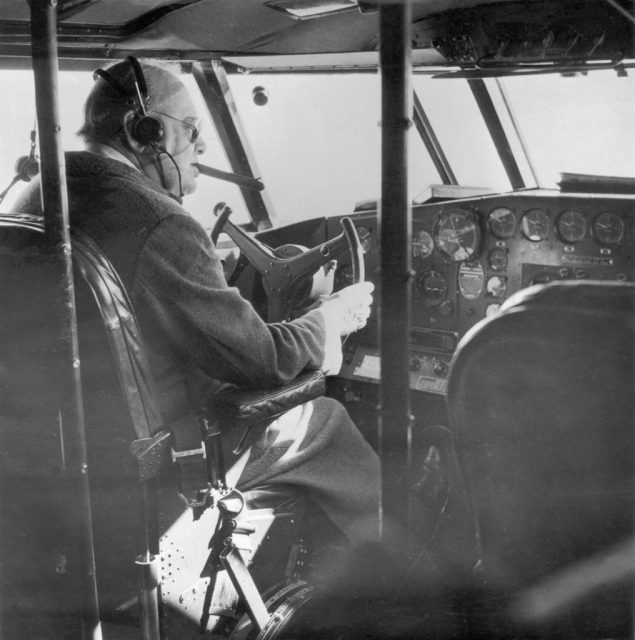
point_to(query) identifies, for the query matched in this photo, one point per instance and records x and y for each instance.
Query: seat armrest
(235, 406)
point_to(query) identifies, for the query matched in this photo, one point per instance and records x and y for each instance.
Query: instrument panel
(470, 255)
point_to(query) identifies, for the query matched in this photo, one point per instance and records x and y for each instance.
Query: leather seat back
(40, 521)
(542, 409)
(40, 528)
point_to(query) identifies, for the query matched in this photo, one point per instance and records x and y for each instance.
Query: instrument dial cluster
(471, 255)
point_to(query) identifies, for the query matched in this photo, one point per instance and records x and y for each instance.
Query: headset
(144, 129)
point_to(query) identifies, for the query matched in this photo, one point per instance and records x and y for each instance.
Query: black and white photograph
(317, 320)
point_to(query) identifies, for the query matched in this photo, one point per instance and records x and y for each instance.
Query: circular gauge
(535, 225)
(502, 222)
(456, 233)
(608, 228)
(497, 259)
(433, 287)
(571, 226)
(422, 244)
(496, 286)
(365, 238)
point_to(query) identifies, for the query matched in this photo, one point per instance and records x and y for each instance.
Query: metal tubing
(496, 131)
(148, 567)
(55, 209)
(213, 84)
(245, 586)
(519, 134)
(395, 218)
(431, 142)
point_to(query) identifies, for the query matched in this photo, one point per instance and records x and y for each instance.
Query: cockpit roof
(496, 36)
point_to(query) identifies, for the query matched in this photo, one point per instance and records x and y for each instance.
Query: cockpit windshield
(578, 124)
(316, 139)
(318, 144)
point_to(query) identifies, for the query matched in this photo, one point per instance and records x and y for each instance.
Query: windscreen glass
(18, 114)
(577, 124)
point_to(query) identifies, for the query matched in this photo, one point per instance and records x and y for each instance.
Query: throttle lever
(222, 213)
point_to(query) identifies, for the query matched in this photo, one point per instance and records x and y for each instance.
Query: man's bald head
(106, 106)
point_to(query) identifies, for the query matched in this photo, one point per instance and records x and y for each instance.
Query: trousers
(316, 447)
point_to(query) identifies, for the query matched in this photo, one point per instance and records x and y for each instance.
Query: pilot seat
(177, 552)
(541, 405)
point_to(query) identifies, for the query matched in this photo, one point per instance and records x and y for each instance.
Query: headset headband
(145, 129)
(140, 97)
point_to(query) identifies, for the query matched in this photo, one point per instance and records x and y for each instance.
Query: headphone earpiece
(146, 130)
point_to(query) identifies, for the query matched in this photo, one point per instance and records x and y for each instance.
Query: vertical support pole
(395, 226)
(149, 580)
(55, 209)
(497, 132)
(431, 142)
(214, 87)
(519, 134)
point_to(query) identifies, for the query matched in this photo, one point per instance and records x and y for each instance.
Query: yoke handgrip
(357, 253)
(260, 253)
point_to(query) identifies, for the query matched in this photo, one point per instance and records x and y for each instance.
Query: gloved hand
(348, 308)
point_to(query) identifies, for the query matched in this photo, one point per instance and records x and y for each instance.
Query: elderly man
(142, 140)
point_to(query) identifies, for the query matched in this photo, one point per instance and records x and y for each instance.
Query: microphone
(27, 167)
(228, 176)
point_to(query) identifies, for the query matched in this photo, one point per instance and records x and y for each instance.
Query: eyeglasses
(194, 132)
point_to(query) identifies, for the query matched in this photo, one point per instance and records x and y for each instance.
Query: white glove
(348, 309)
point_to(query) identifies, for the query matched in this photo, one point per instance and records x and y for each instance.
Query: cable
(157, 160)
(159, 150)
(4, 193)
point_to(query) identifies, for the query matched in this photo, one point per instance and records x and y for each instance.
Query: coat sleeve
(185, 306)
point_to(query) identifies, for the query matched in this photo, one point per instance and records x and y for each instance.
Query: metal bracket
(176, 455)
(245, 586)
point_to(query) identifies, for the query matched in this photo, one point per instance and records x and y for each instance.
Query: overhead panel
(492, 34)
(346, 61)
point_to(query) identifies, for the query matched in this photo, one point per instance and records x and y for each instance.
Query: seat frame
(202, 478)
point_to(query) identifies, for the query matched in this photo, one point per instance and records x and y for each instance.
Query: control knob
(439, 367)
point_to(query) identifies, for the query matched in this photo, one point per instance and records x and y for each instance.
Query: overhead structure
(483, 39)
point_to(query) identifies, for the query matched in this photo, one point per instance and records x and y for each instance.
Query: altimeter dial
(571, 226)
(502, 222)
(608, 228)
(535, 225)
(457, 234)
